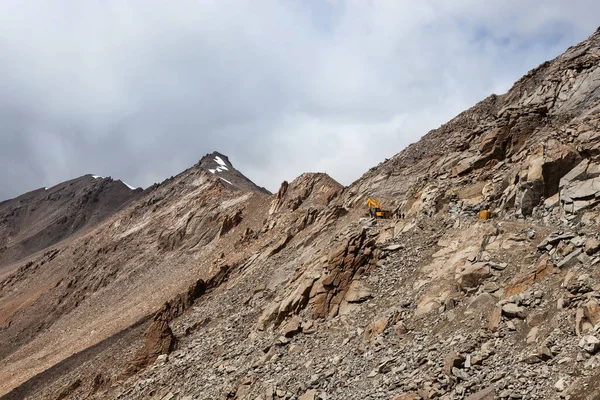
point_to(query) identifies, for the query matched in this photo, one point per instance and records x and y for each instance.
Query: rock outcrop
(580, 187)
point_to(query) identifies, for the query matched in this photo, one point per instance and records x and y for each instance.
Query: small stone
(162, 359)
(408, 396)
(512, 310)
(269, 392)
(393, 247)
(578, 241)
(495, 318)
(473, 275)
(485, 394)
(468, 361)
(386, 366)
(590, 344)
(490, 287)
(314, 379)
(579, 316)
(461, 374)
(282, 340)
(511, 326)
(309, 395)
(561, 385)
(583, 258)
(532, 335)
(532, 359)
(570, 260)
(449, 304)
(498, 267)
(592, 311)
(563, 303)
(292, 327)
(453, 360)
(545, 353)
(374, 329)
(498, 376)
(358, 292)
(478, 359)
(592, 245)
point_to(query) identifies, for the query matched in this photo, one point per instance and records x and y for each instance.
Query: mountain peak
(101, 178)
(218, 164)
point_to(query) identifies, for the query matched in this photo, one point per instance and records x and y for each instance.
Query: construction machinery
(485, 214)
(375, 210)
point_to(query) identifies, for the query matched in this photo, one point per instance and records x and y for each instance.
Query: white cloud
(142, 89)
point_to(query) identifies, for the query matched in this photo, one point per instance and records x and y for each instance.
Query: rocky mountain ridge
(207, 287)
(38, 219)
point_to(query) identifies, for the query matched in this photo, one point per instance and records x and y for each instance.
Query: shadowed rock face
(297, 295)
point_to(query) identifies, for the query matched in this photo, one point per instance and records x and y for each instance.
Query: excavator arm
(373, 203)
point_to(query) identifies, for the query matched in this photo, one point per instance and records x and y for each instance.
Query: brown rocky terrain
(43, 217)
(209, 287)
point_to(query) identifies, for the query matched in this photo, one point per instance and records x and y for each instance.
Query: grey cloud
(140, 90)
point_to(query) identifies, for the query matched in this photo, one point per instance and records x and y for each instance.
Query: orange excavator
(375, 210)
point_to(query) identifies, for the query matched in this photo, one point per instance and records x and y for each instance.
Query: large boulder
(473, 275)
(545, 167)
(580, 188)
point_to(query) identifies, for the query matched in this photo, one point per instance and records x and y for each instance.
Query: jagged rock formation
(304, 298)
(159, 339)
(316, 188)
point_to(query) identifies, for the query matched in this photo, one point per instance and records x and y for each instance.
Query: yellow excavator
(375, 210)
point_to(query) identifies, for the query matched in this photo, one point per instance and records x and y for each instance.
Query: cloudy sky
(142, 89)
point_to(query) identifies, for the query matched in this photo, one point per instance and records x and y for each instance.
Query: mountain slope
(209, 289)
(114, 276)
(41, 218)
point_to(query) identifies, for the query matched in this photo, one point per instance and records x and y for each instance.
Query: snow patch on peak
(227, 181)
(222, 166)
(128, 185)
(220, 161)
(97, 177)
